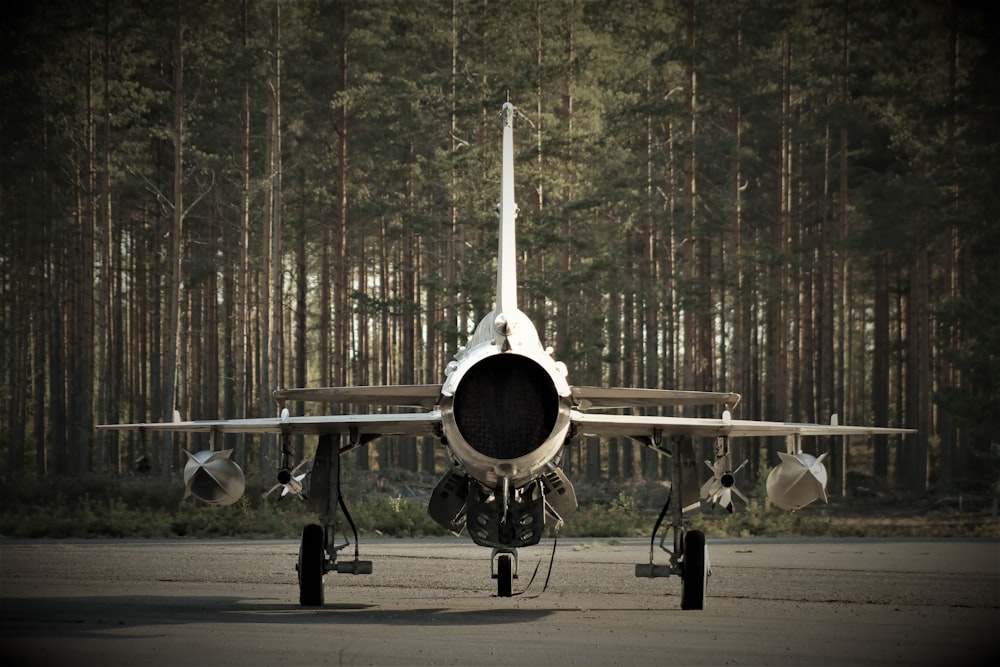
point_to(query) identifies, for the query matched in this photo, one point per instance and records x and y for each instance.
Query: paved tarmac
(431, 602)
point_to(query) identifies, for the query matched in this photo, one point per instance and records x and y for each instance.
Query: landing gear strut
(318, 552)
(689, 556)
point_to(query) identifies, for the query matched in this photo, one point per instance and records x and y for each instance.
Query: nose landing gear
(504, 570)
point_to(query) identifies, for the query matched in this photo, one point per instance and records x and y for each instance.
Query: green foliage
(143, 508)
(621, 518)
(757, 520)
(395, 516)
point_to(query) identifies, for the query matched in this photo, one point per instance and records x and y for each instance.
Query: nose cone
(214, 478)
(797, 481)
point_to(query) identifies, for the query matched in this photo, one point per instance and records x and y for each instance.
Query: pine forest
(794, 200)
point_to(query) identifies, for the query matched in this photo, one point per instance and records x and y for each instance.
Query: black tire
(312, 557)
(505, 576)
(694, 580)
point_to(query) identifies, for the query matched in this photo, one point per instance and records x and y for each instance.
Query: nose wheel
(505, 571)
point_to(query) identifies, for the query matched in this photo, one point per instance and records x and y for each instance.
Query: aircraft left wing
(798, 480)
(594, 398)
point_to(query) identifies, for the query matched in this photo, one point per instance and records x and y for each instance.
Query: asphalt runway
(431, 602)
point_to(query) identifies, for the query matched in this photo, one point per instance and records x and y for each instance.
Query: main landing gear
(694, 571)
(689, 555)
(689, 561)
(318, 551)
(312, 565)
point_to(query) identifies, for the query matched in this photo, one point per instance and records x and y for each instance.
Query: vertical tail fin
(507, 251)
(506, 326)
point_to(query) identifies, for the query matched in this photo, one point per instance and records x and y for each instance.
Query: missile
(720, 488)
(797, 481)
(290, 481)
(213, 477)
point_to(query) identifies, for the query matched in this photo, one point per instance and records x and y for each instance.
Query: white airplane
(506, 412)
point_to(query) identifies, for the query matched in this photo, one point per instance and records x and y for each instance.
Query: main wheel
(694, 579)
(505, 576)
(312, 558)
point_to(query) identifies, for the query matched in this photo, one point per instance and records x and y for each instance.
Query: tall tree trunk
(242, 353)
(740, 352)
(41, 335)
(880, 370)
(109, 374)
(839, 397)
(276, 352)
(918, 390)
(340, 303)
(174, 254)
(776, 385)
(409, 314)
(301, 330)
(827, 266)
(953, 460)
(384, 326)
(620, 465)
(82, 364)
(690, 246)
(57, 366)
(272, 349)
(565, 315)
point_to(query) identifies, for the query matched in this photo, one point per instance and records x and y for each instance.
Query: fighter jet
(505, 410)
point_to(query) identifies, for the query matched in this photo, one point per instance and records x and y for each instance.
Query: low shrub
(136, 507)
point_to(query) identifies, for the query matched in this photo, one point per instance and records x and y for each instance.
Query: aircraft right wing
(412, 395)
(424, 423)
